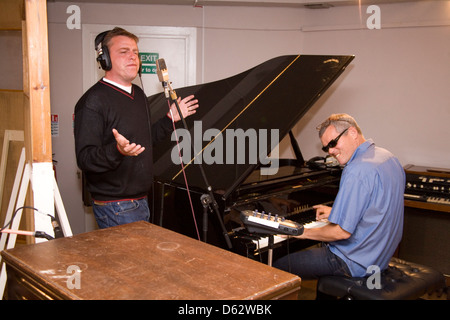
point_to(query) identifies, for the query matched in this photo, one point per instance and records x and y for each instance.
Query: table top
(144, 261)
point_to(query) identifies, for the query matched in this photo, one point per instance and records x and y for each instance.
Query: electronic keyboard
(266, 223)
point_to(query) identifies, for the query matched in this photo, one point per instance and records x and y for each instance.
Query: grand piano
(274, 95)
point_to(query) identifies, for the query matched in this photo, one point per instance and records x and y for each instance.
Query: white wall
(398, 84)
(397, 87)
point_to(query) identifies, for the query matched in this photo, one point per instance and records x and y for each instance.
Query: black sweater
(109, 174)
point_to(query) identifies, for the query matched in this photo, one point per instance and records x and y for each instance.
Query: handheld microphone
(163, 75)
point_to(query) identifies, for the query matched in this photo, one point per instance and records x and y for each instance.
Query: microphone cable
(179, 153)
(36, 234)
(184, 173)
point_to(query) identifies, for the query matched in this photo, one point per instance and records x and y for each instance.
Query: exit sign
(148, 61)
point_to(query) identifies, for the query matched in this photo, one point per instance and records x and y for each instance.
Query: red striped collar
(131, 96)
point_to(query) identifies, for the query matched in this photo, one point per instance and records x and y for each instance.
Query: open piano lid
(273, 95)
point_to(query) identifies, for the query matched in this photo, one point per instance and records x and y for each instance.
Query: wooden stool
(402, 280)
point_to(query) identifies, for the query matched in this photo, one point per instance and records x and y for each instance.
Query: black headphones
(102, 51)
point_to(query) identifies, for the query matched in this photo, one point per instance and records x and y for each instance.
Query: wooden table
(140, 261)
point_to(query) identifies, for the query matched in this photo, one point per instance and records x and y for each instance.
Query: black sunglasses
(333, 142)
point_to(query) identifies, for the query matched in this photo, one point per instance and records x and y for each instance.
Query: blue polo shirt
(369, 205)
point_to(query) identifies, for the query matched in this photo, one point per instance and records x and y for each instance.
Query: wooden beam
(38, 80)
(37, 113)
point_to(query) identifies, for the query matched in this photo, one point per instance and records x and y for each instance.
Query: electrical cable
(184, 173)
(36, 234)
(179, 152)
(14, 215)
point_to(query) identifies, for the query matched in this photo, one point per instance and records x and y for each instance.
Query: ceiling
(312, 4)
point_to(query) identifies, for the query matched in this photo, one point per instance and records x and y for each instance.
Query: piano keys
(274, 95)
(263, 241)
(275, 224)
(257, 243)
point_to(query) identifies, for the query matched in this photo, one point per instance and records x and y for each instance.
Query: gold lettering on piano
(177, 152)
(235, 149)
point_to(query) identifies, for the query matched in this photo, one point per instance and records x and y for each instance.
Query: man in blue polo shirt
(366, 220)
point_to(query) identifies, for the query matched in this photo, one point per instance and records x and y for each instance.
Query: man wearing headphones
(113, 135)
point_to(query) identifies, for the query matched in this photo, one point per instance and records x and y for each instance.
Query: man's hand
(125, 147)
(187, 107)
(322, 212)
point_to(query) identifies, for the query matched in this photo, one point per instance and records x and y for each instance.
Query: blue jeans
(313, 263)
(110, 214)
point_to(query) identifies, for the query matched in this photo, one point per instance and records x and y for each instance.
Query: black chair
(402, 280)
